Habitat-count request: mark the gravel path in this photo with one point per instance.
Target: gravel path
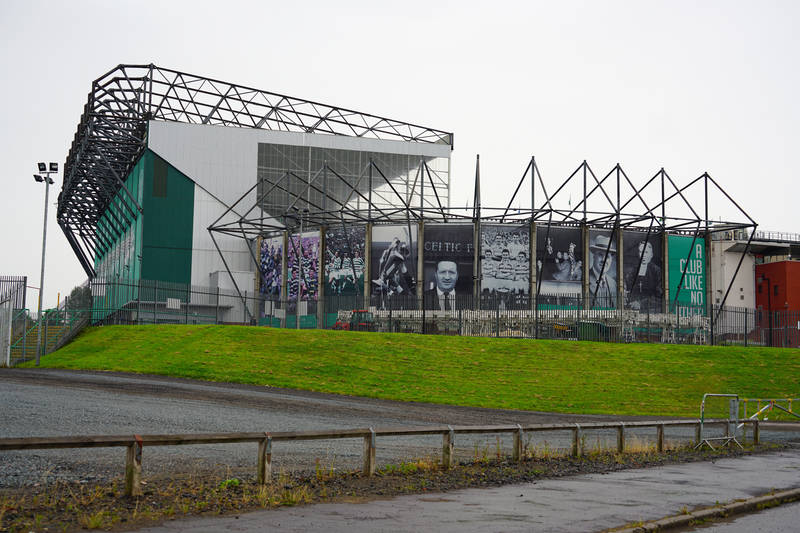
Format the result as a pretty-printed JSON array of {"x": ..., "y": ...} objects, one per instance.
[{"x": 44, "y": 402}]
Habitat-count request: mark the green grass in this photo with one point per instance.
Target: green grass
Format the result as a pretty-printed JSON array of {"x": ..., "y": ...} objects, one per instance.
[{"x": 560, "y": 376}]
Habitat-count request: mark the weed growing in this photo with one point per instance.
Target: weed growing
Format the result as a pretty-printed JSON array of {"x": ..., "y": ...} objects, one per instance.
[{"x": 61, "y": 506}]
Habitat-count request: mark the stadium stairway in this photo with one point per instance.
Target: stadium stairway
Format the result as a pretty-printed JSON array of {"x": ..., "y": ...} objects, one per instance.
[{"x": 57, "y": 330}]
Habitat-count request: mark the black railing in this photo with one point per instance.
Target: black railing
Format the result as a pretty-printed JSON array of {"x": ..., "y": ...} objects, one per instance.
[
  {"x": 510, "y": 315},
  {"x": 13, "y": 287}
]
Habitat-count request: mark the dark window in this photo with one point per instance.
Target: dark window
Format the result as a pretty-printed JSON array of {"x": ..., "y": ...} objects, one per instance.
[
  {"x": 776, "y": 290},
  {"x": 159, "y": 178},
  {"x": 760, "y": 288}
]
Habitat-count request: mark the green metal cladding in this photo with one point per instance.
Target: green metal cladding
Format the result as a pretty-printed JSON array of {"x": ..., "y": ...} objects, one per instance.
[{"x": 158, "y": 244}]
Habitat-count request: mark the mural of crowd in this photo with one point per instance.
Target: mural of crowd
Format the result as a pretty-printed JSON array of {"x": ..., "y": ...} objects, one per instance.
[
  {"x": 271, "y": 257},
  {"x": 505, "y": 261},
  {"x": 344, "y": 260}
]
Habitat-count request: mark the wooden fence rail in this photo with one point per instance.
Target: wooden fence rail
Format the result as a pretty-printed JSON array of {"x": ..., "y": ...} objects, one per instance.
[{"x": 135, "y": 443}]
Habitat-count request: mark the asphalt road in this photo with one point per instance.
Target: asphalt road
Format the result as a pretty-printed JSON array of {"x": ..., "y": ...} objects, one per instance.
[
  {"x": 44, "y": 402},
  {"x": 55, "y": 402}
]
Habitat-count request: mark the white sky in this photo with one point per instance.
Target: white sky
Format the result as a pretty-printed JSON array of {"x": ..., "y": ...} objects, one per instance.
[{"x": 690, "y": 86}]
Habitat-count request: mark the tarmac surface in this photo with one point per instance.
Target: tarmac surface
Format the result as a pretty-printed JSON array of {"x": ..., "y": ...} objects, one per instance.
[
  {"x": 584, "y": 503},
  {"x": 45, "y": 402},
  {"x": 49, "y": 402},
  {"x": 783, "y": 519}
]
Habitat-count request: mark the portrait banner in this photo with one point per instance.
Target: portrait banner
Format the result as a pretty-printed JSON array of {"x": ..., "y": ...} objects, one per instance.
[
  {"x": 602, "y": 269},
  {"x": 448, "y": 258},
  {"x": 642, "y": 262},
  {"x": 393, "y": 266},
  {"x": 559, "y": 260}
]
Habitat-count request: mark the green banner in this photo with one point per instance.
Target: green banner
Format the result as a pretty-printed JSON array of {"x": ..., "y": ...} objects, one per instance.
[{"x": 691, "y": 259}]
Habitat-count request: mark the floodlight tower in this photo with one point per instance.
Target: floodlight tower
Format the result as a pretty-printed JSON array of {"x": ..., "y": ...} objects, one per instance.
[{"x": 43, "y": 176}]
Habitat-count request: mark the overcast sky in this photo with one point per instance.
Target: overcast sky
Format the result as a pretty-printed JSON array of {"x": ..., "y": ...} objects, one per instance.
[{"x": 687, "y": 85}]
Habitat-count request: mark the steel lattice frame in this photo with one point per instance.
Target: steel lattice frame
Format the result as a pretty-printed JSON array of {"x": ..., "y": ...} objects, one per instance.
[
  {"x": 112, "y": 135},
  {"x": 617, "y": 212}
]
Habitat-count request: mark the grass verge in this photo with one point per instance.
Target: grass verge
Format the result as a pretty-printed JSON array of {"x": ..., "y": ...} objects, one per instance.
[
  {"x": 68, "y": 507},
  {"x": 557, "y": 376}
]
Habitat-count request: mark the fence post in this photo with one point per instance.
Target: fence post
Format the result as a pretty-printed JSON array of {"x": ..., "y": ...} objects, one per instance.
[
  {"x": 138, "y": 301},
  {"x": 576, "y": 441},
  {"x": 423, "y": 316},
  {"x": 369, "y": 454},
  {"x": 621, "y": 438},
  {"x": 660, "y": 438},
  {"x": 698, "y": 433},
  {"x": 711, "y": 324},
  {"x": 155, "y": 300},
  {"x": 746, "y": 312},
  {"x": 133, "y": 467},
  {"x": 786, "y": 329},
  {"x": 188, "y": 297},
  {"x": 497, "y": 315},
  {"x": 244, "y": 311},
  {"x": 216, "y": 308},
  {"x": 518, "y": 441},
  {"x": 756, "y": 432},
  {"x": 448, "y": 441},
  {"x": 264, "y": 473}
]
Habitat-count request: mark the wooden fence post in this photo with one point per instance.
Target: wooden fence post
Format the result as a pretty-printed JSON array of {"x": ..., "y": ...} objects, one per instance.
[
  {"x": 518, "y": 443},
  {"x": 697, "y": 433},
  {"x": 265, "y": 460},
  {"x": 621, "y": 438},
  {"x": 369, "y": 453},
  {"x": 660, "y": 438},
  {"x": 448, "y": 441},
  {"x": 576, "y": 441},
  {"x": 133, "y": 467},
  {"x": 756, "y": 432}
]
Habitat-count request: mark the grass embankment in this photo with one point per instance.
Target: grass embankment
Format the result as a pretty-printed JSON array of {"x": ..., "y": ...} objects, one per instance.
[{"x": 560, "y": 376}]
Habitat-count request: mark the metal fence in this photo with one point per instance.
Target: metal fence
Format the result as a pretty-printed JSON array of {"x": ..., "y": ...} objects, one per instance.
[
  {"x": 548, "y": 316},
  {"x": 135, "y": 443},
  {"x": 12, "y": 298},
  {"x": 13, "y": 288}
]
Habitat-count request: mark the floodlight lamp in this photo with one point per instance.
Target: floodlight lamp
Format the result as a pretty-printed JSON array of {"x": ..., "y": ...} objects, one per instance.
[
  {"x": 38, "y": 178},
  {"x": 53, "y": 167},
  {"x": 50, "y": 180},
  {"x": 42, "y": 167}
]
